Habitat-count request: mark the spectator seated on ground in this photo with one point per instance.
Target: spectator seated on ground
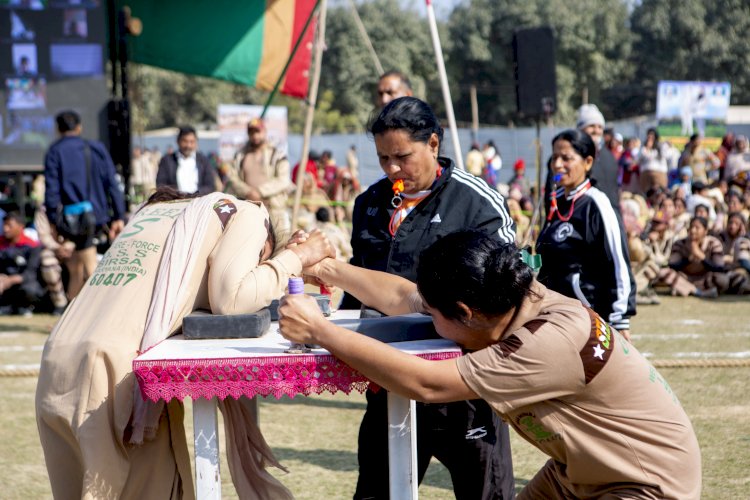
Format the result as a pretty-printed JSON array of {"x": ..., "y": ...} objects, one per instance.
[
  {"x": 345, "y": 190},
  {"x": 735, "y": 203},
  {"x": 523, "y": 222},
  {"x": 738, "y": 161},
  {"x": 696, "y": 264},
  {"x": 706, "y": 211},
  {"x": 684, "y": 185},
  {"x": 20, "y": 289},
  {"x": 327, "y": 171},
  {"x": 657, "y": 242},
  {"x": 681, "y": 220},
  {"x": 715, "y": 196},
  {"x": 338, "y": 237},
  {"x": 736, "y": 253},
  {"x": 659, "y": 238},
  {"x": 313, "y": 198},
  {"x": 641, "y": 262},
  {"x": 667, "y": 207}
]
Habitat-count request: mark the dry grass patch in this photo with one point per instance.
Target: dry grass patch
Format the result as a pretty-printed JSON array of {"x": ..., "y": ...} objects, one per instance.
[{"x": 316, "y": 437}]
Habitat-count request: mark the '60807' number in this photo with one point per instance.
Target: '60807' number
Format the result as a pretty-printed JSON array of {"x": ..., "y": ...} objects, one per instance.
[{"x": 111, "y": 279}]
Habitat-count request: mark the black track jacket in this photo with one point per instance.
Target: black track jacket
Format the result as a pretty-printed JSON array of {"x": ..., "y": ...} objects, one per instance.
[
  {"x": 458, "y": 201},
  {"x": 586, "y": 257}
]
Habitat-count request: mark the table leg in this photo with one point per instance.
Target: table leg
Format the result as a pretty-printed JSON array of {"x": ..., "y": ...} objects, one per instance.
[
  {"x": 402, "y": 447},
  {"x": 206, "y": 435}
]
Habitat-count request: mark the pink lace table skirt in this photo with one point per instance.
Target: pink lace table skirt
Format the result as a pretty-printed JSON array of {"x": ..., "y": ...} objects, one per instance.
[{"x": 265, "y": 375}]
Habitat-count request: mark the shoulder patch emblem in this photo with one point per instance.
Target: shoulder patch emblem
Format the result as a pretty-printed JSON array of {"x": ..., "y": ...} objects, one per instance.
[
  {"x": 534, "y": 325},
  {"x": 510, "y": 345},
  {"x": 225, "y": 209},
  {"x": 598, "y": 348}
]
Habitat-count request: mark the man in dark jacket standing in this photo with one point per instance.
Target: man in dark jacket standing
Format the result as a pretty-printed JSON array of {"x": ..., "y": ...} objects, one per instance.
[
  {"x": 604, "y": 172},
  {"x": 76, "y": 172},
  {"x": 187, "y": 170}
]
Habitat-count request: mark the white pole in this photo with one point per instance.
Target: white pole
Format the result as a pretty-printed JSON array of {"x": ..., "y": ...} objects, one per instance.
[
  {"x": 207, "y": 463},
  {"x": 402, "y": 448},
  {"x": 444, "y": 84}
]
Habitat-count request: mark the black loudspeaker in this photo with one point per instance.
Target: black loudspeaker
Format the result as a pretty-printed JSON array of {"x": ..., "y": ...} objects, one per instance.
[
  {"x": 118, "y": 122},
  {"x": 534, "y": 60}
]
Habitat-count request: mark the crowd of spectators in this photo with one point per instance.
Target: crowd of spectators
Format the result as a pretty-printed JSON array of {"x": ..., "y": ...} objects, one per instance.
[
  {"x": 39, "y": 267},
  {"x": 685, "y": 213}
]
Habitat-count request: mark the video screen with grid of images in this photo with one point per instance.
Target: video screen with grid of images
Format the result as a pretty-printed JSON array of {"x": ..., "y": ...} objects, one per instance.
[{"x": 52, "y": 58}]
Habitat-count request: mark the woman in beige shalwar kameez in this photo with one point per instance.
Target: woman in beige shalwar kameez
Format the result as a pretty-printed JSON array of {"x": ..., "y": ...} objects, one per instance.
[{"x": 85, "y": 392}]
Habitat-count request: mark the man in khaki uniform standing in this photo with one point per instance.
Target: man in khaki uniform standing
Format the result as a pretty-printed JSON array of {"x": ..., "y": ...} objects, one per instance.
[{"x": 260, "y": 172}]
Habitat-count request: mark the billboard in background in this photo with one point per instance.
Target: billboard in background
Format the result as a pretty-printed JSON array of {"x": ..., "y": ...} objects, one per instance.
[
  {"x": 233, "y": 118},
  {"x": 687, "y": 108},
  {"x": 52, "y": 57}
]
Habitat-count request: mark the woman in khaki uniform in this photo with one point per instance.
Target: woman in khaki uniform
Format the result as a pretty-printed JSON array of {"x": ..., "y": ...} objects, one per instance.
[
  {"x": 564, "y": 379},
  {"x": 172, "y": 258}
]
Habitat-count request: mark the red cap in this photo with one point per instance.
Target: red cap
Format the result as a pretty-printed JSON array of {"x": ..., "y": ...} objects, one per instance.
[
  {"x": 519, "y": 165},
  {"x": 256, "y": 123}
]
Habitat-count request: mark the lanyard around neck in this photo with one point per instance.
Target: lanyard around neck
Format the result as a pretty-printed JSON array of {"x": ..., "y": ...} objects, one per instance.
[{"x": 553, "y": 210}]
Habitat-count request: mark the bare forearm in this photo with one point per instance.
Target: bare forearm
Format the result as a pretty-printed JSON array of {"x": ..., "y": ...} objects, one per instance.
[
  {"x": 396, "y": 371},
  {"x": 385, "y": 292}
]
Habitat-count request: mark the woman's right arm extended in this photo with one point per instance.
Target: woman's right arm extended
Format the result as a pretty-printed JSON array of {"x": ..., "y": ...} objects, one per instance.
[{"x": 385, "y": 292}]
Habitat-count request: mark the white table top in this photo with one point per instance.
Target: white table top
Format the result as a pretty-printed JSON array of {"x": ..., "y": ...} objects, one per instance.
[{"x": 271, "y": 344}]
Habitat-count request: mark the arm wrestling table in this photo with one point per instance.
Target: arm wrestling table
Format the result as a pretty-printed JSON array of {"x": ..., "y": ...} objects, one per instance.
[{"x": 206, "y": 370}]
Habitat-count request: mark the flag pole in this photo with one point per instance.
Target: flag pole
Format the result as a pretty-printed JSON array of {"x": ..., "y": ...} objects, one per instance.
[
  {"x": 311, "y": 101},
  {"x": 297, "y": 44},
  {"x": 366, "y": 38},
  {"x": 459, "y": 159}
]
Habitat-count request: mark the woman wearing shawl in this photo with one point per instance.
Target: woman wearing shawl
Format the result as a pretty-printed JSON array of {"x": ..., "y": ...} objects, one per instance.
[{"x": 100, "y": 439}]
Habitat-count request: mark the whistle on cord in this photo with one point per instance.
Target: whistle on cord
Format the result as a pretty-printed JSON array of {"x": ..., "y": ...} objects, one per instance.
[{"x": 398, "y": 188}]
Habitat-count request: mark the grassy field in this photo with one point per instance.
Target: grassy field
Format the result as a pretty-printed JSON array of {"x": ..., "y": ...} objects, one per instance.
[{"x": 315, "y": 438}]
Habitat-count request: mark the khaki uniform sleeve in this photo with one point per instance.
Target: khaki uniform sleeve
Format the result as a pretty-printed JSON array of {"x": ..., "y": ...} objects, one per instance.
[
  {"x": 280, "y": 182},
  {"x": 237, "y": 282},
  {"x": 524, "y": 369},
  {"x": 44, "y": 230},
  {"x": 234, "y": 184}
]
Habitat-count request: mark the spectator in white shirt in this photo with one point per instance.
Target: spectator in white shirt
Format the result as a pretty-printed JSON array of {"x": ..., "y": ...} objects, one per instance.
[{"x": 187, "y": 170}]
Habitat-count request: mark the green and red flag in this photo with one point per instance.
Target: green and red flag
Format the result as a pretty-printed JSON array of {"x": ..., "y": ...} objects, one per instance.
[{"x": 246, "y": 42}]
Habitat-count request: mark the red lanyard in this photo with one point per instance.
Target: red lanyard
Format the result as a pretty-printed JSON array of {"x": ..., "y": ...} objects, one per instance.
[{"x": 553, "y": 203}]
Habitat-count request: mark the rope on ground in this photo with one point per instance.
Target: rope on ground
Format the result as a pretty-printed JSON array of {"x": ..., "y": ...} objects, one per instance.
[
  {"x": 658, "y": 363},
  {"x": 701, "y": 363},
  {"x": 19, "y": 372}
]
